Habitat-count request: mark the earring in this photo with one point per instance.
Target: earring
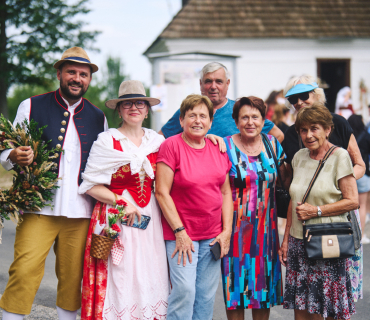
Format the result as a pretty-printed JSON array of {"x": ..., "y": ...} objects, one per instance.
[{"x": 146, "y": 116}]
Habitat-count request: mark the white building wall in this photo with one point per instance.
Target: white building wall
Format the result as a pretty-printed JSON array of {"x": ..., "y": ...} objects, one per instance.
[{"x": 267, "y": 64}]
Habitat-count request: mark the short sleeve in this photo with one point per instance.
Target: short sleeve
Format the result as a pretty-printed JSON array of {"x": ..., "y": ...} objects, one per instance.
[
  {"x": 167, "y": 154},
  {"x": 344, "y": 165},
  {"x": 268, "y": 126},
  {"x": 342, "y": 131},
  {"x": 290, "y": 144},
  {"x": 172, "y": 127}
]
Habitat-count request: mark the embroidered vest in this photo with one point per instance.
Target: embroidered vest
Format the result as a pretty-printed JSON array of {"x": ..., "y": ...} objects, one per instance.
[
  {"x": 124, "y": 180},
  {"x": 50, "y": 109}
]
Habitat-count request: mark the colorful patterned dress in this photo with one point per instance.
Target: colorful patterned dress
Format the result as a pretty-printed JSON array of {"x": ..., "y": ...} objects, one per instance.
[{"x": 251, "y": 272}]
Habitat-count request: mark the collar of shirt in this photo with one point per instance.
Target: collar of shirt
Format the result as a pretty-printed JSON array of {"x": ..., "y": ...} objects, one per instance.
[{"x": 72, "y": 106}]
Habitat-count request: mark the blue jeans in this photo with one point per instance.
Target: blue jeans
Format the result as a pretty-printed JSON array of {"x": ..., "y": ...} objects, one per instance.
[{"x": 193, "y": 286}]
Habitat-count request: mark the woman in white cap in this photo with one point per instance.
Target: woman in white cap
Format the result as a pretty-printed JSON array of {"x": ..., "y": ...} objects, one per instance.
[{"x": 133, "y": 283}]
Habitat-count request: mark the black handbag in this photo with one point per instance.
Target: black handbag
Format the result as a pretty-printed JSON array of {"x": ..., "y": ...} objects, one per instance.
[
  {"x": 327, "y": 240},
  {"x": 282, "y": 196}
]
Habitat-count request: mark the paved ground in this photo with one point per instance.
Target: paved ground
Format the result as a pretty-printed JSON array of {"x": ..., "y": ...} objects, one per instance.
[{"x": 44, "y": 307}]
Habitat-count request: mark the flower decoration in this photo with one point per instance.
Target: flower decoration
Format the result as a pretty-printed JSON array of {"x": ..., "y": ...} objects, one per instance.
[
  {"x": 118, "y": 213},
  {"x": 33, "y": 186}
]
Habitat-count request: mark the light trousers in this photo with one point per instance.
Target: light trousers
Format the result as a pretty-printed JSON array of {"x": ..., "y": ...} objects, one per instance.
[
  {"x": 194, "y": 286},
  {"x": 33, "y": 240}
]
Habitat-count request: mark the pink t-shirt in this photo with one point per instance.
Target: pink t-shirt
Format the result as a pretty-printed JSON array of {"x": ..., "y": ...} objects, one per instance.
[{"x": 196, "y": 188}]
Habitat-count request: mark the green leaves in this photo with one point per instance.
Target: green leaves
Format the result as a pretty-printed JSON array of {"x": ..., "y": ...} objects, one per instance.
[
  {"x": 33, "y": 185},
  {"x": 40, "y": 31}
]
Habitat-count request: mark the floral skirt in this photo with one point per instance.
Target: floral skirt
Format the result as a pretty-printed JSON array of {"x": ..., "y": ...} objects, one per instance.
[{"x": 318, "y": 286}]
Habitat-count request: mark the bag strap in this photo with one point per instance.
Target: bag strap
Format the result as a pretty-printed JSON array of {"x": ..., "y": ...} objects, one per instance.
[
  {"x": 267, "y": 141},
  {"x": 319, "y": 167}
]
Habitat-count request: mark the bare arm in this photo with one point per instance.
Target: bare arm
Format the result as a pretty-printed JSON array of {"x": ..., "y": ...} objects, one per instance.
[
  {"x": 277, "y": 133},
  {"x": 289, "y": 175},
  {"x": 164, "y": 181},
  {"x": 348, "y": 187},
  {"x": 357, "y": 161},
  {"x": 227, "y": 218},
  {"x": 103, "y": 194},
  {"x": 283, "y": 251},
  {"x": 160, "y": 132},
  {"x": 217, "y": 140}
]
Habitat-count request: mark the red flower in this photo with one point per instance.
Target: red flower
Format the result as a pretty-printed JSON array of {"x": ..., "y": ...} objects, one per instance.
[
  {"x": 115, "y": 227},
  {"x": 121, "y": 202},
  {"x": 113, "y": 210}
]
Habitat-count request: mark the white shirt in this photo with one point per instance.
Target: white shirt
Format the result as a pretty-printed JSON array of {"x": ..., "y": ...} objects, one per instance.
[{"x": 67, "y": 201}]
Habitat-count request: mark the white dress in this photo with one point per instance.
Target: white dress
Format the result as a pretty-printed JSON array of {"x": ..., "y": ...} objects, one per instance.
[{"x": 138, "y": 286}]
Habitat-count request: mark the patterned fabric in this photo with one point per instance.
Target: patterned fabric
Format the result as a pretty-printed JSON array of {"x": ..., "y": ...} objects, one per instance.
[
  {"x": 94, "y": 283},
  {"x": 318, "y": 286},
  {"x": 251, "y": 272},
  {"x": 356, "y": 265}
]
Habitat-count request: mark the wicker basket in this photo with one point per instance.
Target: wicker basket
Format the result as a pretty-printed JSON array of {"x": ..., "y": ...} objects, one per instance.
[{"x": 101, "y": 246}]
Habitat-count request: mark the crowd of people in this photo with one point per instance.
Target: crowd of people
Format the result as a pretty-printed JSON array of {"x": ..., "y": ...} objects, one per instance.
[{"x": 206, "y": 185}]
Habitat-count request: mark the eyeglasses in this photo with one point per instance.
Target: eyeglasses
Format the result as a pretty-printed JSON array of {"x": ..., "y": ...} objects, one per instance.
[
  {"x": 294, "y": 98},
  {"x": 140, "y": 104}
]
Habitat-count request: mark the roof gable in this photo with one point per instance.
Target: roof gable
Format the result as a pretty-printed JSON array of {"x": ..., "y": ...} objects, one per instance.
[{"x": 311, "y": 19}]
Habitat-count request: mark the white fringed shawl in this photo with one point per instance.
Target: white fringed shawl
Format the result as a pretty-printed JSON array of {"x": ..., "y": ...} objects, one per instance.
[{"x": 103, "y": 160}]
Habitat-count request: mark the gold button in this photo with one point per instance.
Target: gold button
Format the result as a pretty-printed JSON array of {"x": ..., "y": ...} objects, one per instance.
[
  {"x": 64, "y": 123},
  {"x": 66, "y": 114},
  {"x": 58, "y": 146},
  {"x": 56, "y": 155},
  {"x": 62, "y": 130},
  {"x": 60, "y": 138}
]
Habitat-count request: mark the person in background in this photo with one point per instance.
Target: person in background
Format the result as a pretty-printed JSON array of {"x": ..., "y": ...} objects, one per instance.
[
  {"x": 363, "y": 184},
  {"x": 214, "y": 83},
  {"x": 73, "y": 124},
  {"x": 301, "y": 92},
  {"x": 343, "y": 103},
  {"x": 315, "y": 288},
  {"x": 280, "y": 117},
  {"x": 251, "y": 271},
  {"x": 275, "y": 98},
  {"x": 193, "y": 191}
]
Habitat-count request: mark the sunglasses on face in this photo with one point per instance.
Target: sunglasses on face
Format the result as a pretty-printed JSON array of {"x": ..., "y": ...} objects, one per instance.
[
  {"x": 302, "y": 96},
  {"x": 128, "y": 104}
]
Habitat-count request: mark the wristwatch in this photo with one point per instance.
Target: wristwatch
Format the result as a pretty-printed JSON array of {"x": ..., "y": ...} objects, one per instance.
[{"x": 319, "y": 212}]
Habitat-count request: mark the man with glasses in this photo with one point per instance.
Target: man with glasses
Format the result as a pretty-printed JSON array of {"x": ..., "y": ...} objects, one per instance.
[
  {"x": 214, "y": 83},
  {"x": 73, "y": 124}
]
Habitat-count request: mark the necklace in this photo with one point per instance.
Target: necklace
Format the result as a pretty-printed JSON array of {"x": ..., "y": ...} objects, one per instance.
[
  {"x": 249, "y": 152},
  {"x": 190, "y": 144}
]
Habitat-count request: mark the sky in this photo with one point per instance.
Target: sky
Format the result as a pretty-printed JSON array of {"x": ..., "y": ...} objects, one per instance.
[{"x": 128, "y": 28}]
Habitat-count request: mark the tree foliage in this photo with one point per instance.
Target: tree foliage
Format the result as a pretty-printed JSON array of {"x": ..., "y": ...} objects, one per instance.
[
  {"x": 101, "y": 89},
  {"x": 32, "y": 32}
]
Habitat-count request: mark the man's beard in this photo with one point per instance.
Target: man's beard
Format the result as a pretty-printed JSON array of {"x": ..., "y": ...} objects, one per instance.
[{"x": 70, "y": 95}]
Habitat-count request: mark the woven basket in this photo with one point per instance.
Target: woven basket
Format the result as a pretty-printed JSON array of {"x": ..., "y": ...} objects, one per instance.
[{"x": 101, "y": 246}]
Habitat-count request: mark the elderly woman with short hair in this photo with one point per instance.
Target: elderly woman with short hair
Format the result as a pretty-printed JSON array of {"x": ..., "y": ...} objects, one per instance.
[
  {"x": 317, "y": 287},
  {"x": 251, "y": 271},
  {"x": 193, "y": 191},
  {"x": 302, "y": 92}
]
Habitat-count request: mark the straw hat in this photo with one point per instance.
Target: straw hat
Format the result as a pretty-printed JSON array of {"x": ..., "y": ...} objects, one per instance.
[
  {"x": 131, "y": 89},
  {"x": 76, "y": 54}
]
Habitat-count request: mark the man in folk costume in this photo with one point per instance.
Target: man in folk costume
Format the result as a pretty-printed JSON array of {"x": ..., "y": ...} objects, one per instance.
[{"x": 73, "y": 124}]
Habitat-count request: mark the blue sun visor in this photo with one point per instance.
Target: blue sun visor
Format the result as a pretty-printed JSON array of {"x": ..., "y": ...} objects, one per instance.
[{"x": 301, "y": 87}]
